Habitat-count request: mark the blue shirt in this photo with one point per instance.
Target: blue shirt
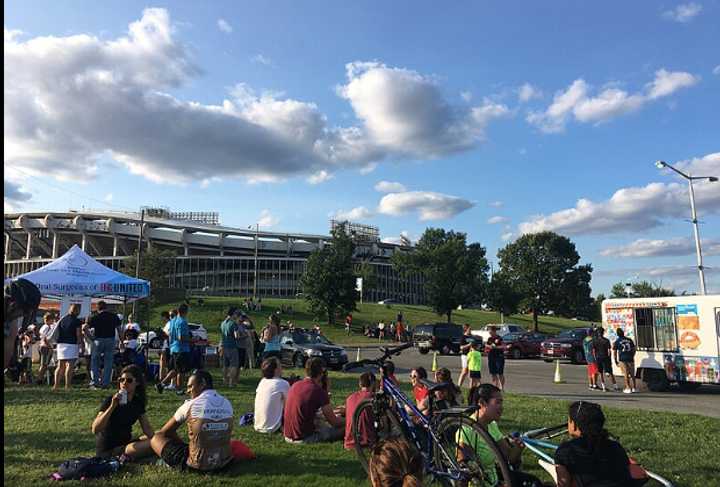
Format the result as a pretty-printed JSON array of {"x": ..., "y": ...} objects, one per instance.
[
  {"x": 179, "y": 328},
  {"x": 228, "y": 328},
  {"x": 588, "y": 348}
]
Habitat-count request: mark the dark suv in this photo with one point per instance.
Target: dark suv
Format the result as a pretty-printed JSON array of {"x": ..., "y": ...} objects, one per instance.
[
  {"x": 442, "y": 337},
  {"x": 297, "y": 346},
  {"x": 566, "y": 346}
]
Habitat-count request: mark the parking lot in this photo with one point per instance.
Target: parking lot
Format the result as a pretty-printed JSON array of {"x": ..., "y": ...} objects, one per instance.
[{"x": 535, "y": 377}]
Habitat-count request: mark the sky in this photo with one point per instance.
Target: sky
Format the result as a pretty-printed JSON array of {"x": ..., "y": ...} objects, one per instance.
[{"x": 491, "y": 118}]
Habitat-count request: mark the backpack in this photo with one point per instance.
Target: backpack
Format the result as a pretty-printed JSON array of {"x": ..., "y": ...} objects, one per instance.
[{"x": 80, "y": 468}]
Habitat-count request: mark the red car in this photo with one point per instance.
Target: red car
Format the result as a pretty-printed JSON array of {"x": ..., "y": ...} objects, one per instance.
[{"x": 521, "y": 345}]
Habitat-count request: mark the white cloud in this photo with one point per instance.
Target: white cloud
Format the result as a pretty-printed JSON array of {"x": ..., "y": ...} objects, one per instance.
[
  {"x": 507, "y": 236},
  {"x": 368, "y": 168},
  {"x": 402, "y": 239},
  {"x": 13, "y": 195},
  {"x": 575, "y": 102},
  {"x": 405, "y": 112},
  {"x": 527, "y": 92},
  {"x": 108, "y": 197},
  {"x": 497, "y": 219},
  {"x": 59, "y": 91},
  {"x": 264, "y": 60},
  {"x": 678, "y": 277},
  {"x": 496, "y": 204},
  {"x": 224, "y": 26},
  {"x": 666, "y": 83},
  {"x": 320, "y": 177},
  {"x": 389, "y": 187},
  {"x": 466, "y": 95},
  {"x": 635, "y": 208},
  {"x": 662, "y": 248},
  {"x": 716, "y": 70},
  {"x": 359, "y": 213},
  {"x": 429, "y": 205},
  {"x": 683, "y": 13},
  {"x": 267, "y": 219}
]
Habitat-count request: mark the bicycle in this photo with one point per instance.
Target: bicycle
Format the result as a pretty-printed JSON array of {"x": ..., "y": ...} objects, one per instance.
[{"x": 448, "y": 439}]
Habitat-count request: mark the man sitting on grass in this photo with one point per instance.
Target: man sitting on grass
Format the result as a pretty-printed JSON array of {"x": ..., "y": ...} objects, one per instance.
[
  {"x": 368, "y": 386},
  {"x": 209, "y": 417},
  {"x": 305, "y": 399}
]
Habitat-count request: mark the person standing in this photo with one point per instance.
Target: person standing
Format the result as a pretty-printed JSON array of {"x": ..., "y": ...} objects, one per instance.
[
  {"x": 496, "y": 358},
  {"x": 165, "y": 350},
  {"x": 46, "y": 348},
  {"x": 103, "y": 325},
  {"x": 348, "y": 324},
  {"x": 465, "y": 347},
  {"x": 271, "y": 338},
  {"x": 474, "y": 364},
  {"x": 229, "y": 343},
  {"x": 381, "y": 330},
  {"x": 69, "y": 343},
  {"x": 179, "y": 350},
  {"x": 592, "y": 368},
  {"x": 601, "y": 348},
  {"x": 624, "y": 353}
]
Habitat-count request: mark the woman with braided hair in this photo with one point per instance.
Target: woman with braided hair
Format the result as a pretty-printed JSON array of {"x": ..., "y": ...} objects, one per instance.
[
  {"x": 591, "y": 458},
  {"x": 394, "y": 463}
]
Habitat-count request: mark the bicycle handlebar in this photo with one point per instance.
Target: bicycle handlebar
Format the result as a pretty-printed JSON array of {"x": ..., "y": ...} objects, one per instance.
[{"x": 387, "y": 353}]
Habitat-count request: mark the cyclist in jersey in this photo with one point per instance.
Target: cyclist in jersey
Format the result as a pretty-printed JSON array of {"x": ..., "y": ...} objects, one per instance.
[{"x": 209, "y": 417}]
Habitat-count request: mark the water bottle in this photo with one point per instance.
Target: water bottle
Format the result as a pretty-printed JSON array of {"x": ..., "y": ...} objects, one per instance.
[{"x": 123, "y": 397}]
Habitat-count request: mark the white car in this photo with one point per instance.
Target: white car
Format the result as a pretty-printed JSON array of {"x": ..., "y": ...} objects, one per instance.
[
  {"x": 197, "y": 331},
  {"x": 502, "y": 329}
]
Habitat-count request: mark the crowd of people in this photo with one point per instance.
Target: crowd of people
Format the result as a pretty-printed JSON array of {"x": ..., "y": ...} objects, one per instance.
[{"x": 300, "y": 409}]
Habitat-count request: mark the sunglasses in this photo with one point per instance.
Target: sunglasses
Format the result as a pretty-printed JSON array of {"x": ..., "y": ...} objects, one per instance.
[{"x": 126, "y": 380}]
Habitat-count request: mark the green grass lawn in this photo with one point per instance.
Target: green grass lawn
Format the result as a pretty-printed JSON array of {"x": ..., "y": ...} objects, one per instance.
[
  {"x": 41, "y": 429},
  {"x": 213, "y": 310}
]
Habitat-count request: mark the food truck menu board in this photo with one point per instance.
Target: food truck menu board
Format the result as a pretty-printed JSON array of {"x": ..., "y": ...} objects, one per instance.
[{"x": 623, "y": 318}]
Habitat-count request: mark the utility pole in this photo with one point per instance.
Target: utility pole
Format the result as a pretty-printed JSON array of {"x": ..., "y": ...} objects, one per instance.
[
  {"x": 257, "y": 231},
  {"x": 139, "y": 253}
]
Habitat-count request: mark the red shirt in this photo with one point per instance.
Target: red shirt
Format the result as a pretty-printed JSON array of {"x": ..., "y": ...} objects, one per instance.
[
  {"x": 351, "y": 404},
  {"x": 303, "y": 400},
  {"x": 420, "y": 393}
]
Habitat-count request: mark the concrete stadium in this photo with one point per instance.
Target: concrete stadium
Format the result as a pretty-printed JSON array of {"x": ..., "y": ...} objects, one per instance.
[{"x": 210, "y": 258}]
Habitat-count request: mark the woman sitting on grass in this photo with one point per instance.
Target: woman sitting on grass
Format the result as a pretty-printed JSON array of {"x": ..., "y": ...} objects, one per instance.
[
  {"x": 446, "y": 397},
  {"x": 118, "y": 413},
  {"x": 590, "y": 457},
  {"x": 489, "y": 400}
]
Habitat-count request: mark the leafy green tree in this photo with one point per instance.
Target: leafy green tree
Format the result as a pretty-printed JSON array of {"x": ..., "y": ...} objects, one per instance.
[
  {"x": 329, "y": 280},
  {"x": 543, "y": 268},
  {"x": 597, "y": 311},
  {"x": 501, "y": 296},
  {"x": 155, "y": 266},
  {"x": 643, "y": 289},
  {"x": 455, "y": 272}
]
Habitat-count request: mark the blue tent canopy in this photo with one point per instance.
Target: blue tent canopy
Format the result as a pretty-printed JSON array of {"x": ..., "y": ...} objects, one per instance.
[{"x": 78, "y": 274}]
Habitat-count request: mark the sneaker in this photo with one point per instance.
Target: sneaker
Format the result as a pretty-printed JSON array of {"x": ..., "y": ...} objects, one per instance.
[
  {"x": 159, "y": 387},
  {"x": 170, "y": 387},
  {"x": 603, "y": 388},
  {"x": 627, "y": 391},
  {"x": 633, "y": 390}
]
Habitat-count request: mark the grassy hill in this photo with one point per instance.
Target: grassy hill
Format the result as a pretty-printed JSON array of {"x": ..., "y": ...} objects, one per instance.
[{"x": 212, "y": 312}]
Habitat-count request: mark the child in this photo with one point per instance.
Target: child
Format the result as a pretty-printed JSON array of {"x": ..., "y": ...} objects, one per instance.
[{"x": 474, "y": 364}]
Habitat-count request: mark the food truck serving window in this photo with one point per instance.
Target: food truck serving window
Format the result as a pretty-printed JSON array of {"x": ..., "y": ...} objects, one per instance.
[{"x": 655, "y": 329}]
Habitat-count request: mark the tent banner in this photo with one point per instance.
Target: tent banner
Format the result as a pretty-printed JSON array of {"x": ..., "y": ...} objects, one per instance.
[{"x": 95, "y": 289}]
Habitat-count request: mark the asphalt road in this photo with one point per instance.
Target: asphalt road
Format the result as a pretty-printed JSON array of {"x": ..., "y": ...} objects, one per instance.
[{"x": 535, "y": 377}]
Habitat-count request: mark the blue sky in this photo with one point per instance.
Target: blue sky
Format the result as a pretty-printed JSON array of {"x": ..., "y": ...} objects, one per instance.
[{"x": 492, "y": 118}]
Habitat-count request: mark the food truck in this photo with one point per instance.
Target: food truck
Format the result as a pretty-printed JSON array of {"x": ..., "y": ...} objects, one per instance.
[{"x": 677, "y": 338}]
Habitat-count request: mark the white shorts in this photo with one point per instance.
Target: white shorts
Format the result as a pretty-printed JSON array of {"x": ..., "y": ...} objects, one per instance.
[
  {"x": 463, "y": 361},
  {"x": 67, "y": 351}
]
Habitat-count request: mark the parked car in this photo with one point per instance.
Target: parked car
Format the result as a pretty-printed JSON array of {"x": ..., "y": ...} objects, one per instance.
[
  {"x": 522, "y": 345},
  {"x": 502, "y": 330},
  {"x": 197, "y": 331},
  {"x": 442, "y": 337},
  {"x": 388, "y": 301},
  {"x": 297, "y": 346},
  {"x": 566, "y": 346}
]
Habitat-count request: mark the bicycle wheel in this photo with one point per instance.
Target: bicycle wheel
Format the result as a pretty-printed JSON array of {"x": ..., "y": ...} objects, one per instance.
[
  {"x": 373, "y": 422},
  {"x": 466, "y": 447}
]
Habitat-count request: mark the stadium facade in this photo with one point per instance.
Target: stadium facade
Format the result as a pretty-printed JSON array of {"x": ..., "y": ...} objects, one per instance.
[{"x": 209, "y": 258}]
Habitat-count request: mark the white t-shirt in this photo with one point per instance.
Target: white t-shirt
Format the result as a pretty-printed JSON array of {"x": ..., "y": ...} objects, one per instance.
[
  {"x": 208, "y": 405},
  {"x": 381, "y": 325},
  {"x": 44, "y": 333},
  {"x": 270, "y": 398}
]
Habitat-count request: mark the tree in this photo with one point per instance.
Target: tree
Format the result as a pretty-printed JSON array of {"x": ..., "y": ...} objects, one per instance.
[
  {"x": 329, "y": 279},
  {"x": 643, "y": 289},
  {"x": 597, "y": 311},
  {"x": 501, "y": 296},
  {"x": 455, "y": 273},
  {"x": 543, "y": 269},
  {"x": 155, "y": 266}
]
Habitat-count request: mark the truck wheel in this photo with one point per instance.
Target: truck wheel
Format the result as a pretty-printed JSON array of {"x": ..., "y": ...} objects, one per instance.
[
  {"x": 656, "y": 380},
  {"x": 423, "y": 351},
  {"x": 689, "y": 386},
  {"x": 578, "y": 357},
  {"x": 516, "y": 353},
  {"x": 299, "y": 361}
]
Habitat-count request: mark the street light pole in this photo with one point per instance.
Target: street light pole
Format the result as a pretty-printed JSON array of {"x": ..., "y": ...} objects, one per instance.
[
  {"x": 712, "y": 179},
  {"x": 257, "y": 231}
]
